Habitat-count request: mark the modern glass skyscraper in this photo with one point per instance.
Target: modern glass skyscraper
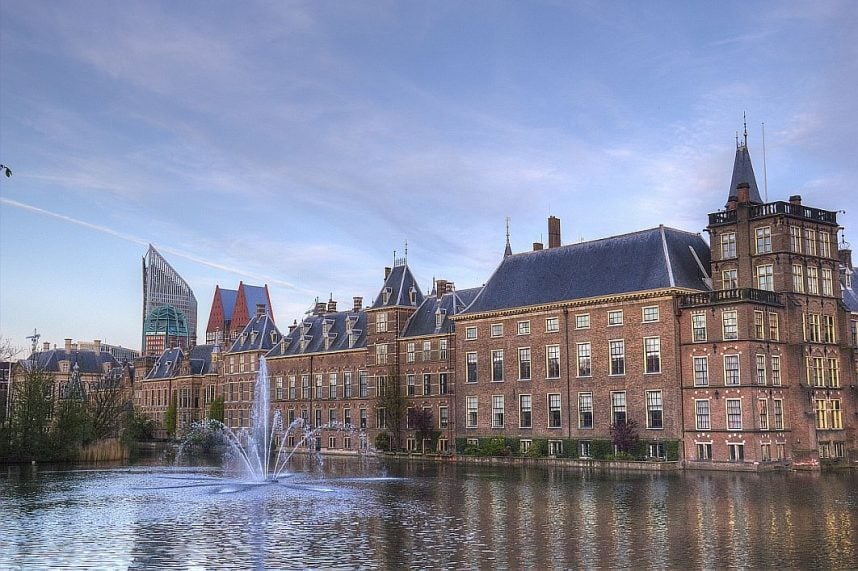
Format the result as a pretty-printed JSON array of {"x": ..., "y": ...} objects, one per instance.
[{"x": 164, "y": 287}]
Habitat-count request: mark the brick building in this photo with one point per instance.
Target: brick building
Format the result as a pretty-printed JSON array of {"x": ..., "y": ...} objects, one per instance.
[{"x": 232, "y": 310}]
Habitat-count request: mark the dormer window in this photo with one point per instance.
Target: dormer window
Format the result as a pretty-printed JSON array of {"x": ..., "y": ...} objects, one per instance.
[
  {"x": 273, "y": 337},
  {"x": 253, "y": 337},
  {"x": 849, "y": 278},
  {"x": 385, "y": 295},
  {"x": 439, "y": 318},
  {"x": 243, "y": 338},
  {"x": 412, "y": 295}
]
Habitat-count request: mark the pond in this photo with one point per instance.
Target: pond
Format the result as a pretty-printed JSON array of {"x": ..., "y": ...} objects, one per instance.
[{"x": 373, "y": 513}]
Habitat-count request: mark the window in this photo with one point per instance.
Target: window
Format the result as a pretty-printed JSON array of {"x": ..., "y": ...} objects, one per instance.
[
  {"x": 810, "y": 241},
  {"x": 553, "y": 410},
  {"x": 427, "y": 384},
  {"x": 497, "y": 411},
  {"x": 552, "y": 361},
  {"x": 828, "y": 329},
  {"x": 411, "y": 385},
  {"x": 442, "y": 349},
  {"x": 319, "y": 379},
  {"x": 833, "y": 372},
  {"x": 293, "y": 389},
  {"x": 471, "y": 408},
  {"x": 763, "y": 413},
  {"x": 759, "y": 325},
  {"x": 615, "y": 317},
  {"x": 737, "y": 452},
  {"x": 734, "y": 414},
  {"x": 584, "y": 360},
  {"x": 555, "y": 447},
  {"x": 381, "y": 354},
  {"x": 278, "y": 393},
  {"x": 524, "y": 327},
  {"x": 305, "y": 387},
  {"x": 525, "y": 411},
  {"x": 764, "y": 277},
  {"x": 585, "y": 410},
  {"x": 795, "y": 239},
  {"x": 778, "y": 410},
  {"x": 439, "y": 319},
  {"x": 363, "y": 384},
  {"x": 853, "y": 332},
  {"x": 774, "y": 332},
  {"x": 730, "y": 325},
  {"x": 381, "y": 323},
  {"x": 497, "y": 329},
  {"x": 497, "y": 366},
  {"x": 701, "y": 372},
  {"x": 380, "y": 418},
  {"x": 443, "y": 417},
  {"x": 584, "y": 449},
  {"x": 332, "y": 416},
  {"x": 764, "y": 240},
  {"x": 836, "y": 415},
  {"x": 731, "y": 369},
  {"x": 427, "y": 351},
  {"x": 812, "y": 328},
  {"x": 409, "y": 352},
  {"x": 617, "y": 350},
  {"x": 652, "y": 354},
  {"x": 347, "y": 384},
  {"x": 470, "y": 333},
  {"x": 380, "y": 385},
  {"x": 656, "y": 450},
  {"x": 442, "y": 383},
  {"x": 701, "y": 408},
  {"x": 524, "y": 363},
  {"x": 347, "y": 417},
  {"x": 798, "y": 278},
  {"x": 761, "y": 370},
  {"x": 822, "y": 414},
  {"x": 524, "y": 445},
  {"x": 618, "y": 407},
  {"x": 825, "y": 244},
  {"x": 650, "y": 314},
  {"x": 362, "y": 416},
  {"x": 552, "y": 325},
  {"x": 318, "y": 417},
  {"x": 815, "y": 371},
  {"x": 776, "y": 370},
  {"x": 471, "y": 367},
  {"x": 332, "y": 386},
  {"x": 812, "y": 280},
  {"x": 827, "y": 282},
  {"x": 582, "y": 321},
  {"x": 698, "y": 327},
  {"x": 654, "y": 410},
  {"x": 728, "y": 245},
  {"x": 704, "y": 450},
  {"x": 729, "y": 279}
]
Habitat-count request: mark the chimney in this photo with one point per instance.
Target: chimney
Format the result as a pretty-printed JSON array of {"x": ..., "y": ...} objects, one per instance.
[
  {"x": 440, "y": 287},
  {"x": 553, "y": 232},
  {"x": 731, "y": 202},
  {"x": 97, "y": 343},
  {"x": 260, "y": 309},
  {"x": 332, "y": 306},
  {"x": 537, "y": 246},
  {"x": 795, "y": 199},
  {"x": 293, "y": 326},
  {"x": 386, "y": 273},
  {"x": 46, "y": 346},
  {"x": 450, "y": 287},
  {"x": 845, "y": 255},
  {"x": 68, "y": 346},
  {"x": 320, "y": 308},
  {"x": 743, "y": 192},
  {"x": 358, "y": 303}
]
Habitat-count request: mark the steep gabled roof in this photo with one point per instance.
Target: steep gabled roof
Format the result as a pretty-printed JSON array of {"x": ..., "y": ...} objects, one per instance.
[
  {"x": 227, "y": 300},
  {"x": 257, "y": 295},
  {"x": 424, "y": 322},
  {"x": 743, "y": 172},
  {"x": 260, "y": 334},
  {"x": 398, "y": 286},
  {"x": 169, "y": 363},
  {"x": 314, "y": 329},
  {"x": 166, "y": 365},
  {"x": 646, "y": 260}
]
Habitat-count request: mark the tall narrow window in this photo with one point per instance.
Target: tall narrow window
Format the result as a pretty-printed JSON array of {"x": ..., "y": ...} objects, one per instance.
[
  {"x": 652, "y": 354},
  {"x": 825, "y": 244},
  {"x": 525, "y": 411},
  {"x": 427, "y": 351},
  {"x": 471, "y": 409},
  {"x": 332, "y": 386},
  {"x": 763, "y": 412},
  {"x": 554, "y": 420},
  {"x": 411, "y": 384},
  {"x": 702, "y": 414},
  {"x": 730, "y": 325},
  {"x": 728, "y": 245},
  {"x": 764, "y": 240},
  {"x": 776, "y": 370},
  {"x": 442, "y": 384},
  {"x": 833, "y": 372},
  {"x": 409, "y": 352},
  {"x": 617, "y": 349},
  {"x": 761, "y": 370},
  {"x": 427, "y": 384},
  {"x": 585, "y": 410},
  {"x": 778, "y": 410},
  {"x": 759, "y": 325},
  {"x": 734, "y": 414},
  {"x": 836, "y": 415},
  {"x": 765, "y": 278},
  {"x": 347, "y": 384},
  {"x": 497, "y": 411},
  {"x": 654, "y": 410},
  {"x": 822, "y": 414},
  {"x": 381, "y": 323},
  {"x": 729, "y": 279},
  {"x": 524, "y": 363},
  {"x": 552, "y": 356},
  {"x": 731, "y": 369},
  {"x": 497, "y": 365},
  {"x": 828, "y": 329},
  {"x": 442, "y": 349},
  {"x": 810, "y": 241},
  {"x": 795, "y": 239},
  {"x": 584, "y": 362},
  {"x": 827, "y": 282},
  {"x": 618, "y": 407},
  {"x": 774, "y": 332},
  {"x": 471, "y": 367},
  {"x": 798, "y": 278},
  {"x": 701, "y": 372},
  {"x": 812, "y": 280},
  {"x": 698, "y": 327}
]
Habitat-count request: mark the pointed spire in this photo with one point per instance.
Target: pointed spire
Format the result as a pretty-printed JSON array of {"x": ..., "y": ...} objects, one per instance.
[
  {"x": 743, "y": 171},
  {"x": 508, "y": 250}
]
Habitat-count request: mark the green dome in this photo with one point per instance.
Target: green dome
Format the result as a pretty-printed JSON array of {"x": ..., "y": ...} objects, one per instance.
[{"x": 166, "y": 319}]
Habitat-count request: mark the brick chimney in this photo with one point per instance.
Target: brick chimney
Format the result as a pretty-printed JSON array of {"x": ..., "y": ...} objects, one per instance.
[
  {"x": 386, "y": 273},
  {"x": 537, "y": 246},
  {"x": 46, "y": 346},
  {"x": 293, "y": 326},
  {"x": 553, "y": 232},
  {"x": 332, "y": 306},
  {"x": 97, "y": 343},
  {"x": 743, "y": 192},
  {"x": 357, "y": 303},
  {"x": 68, "y": 345},
  {"x": 845, "y": 255},
  {"x": 440, "y": 287},
  {"x": 795, "y": 200},
  {"x": 320, "y": 308},
  {"x": 260, "y": 309}
]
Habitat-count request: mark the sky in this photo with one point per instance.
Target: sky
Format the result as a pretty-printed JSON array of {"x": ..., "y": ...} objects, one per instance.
[{"x": 302, "y": 144}]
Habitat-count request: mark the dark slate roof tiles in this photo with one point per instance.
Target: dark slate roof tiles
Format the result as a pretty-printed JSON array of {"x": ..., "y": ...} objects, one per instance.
[
  {"x": 227, "y": 300},
  {"x": 315, "y": 328},
  {"x": 399, "y": 285},
  {"x": 88, "y": 362},
  {"x": 743, "y": 171},
  {"x": 260, "y": 334},
  {"x": 423, "y": 322},
  {"x": 169, "y": 363}
]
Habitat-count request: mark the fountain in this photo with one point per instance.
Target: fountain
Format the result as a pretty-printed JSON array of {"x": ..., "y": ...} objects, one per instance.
[{"x": 261, "y": 450}]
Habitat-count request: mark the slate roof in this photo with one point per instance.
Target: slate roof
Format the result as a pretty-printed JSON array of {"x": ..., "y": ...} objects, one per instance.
[
  {"x": 423, "y": 322},
  {"x": 743, "y": 171},
  {"x": 254, "y": 295},
  {"x": 399, "y": 284},
  {"x": 169, "y": 363},
  {"x": 227, "y": 300},
  {"x": 646, "y": 260},
  {"x": 257, "y": 335},
  {"x": 850, "y": 296},
  {"x": 88, "y": 362},
  {"x": 314, "y": 329}
]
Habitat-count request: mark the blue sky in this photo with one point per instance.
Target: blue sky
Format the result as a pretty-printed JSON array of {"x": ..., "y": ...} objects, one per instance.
[{"x": 300, "y": 144}]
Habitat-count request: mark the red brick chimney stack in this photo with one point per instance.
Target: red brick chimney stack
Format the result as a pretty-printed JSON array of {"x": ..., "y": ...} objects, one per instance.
[{"x": 553, "y": 232}]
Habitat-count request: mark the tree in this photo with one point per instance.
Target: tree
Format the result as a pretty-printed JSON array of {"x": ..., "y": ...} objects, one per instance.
[
  {"x": 108, "y": 404},
  {"x": 625, "y": 436},
  {"x": 424, "y": 425},
  {"x": 216, "y": 409},
  {"x": 392, "y": 400},
  {"x": 32, "y": 409},
  {"x": 170, "y": 416},
  {"x": 71, "y": 430}
]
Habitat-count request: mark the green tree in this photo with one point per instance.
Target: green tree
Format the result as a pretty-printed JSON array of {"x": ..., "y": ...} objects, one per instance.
[
  {"x": 216, "y": 409},
  {"x": 71, "y": 430},
  {"x": 170, "y": 416},
  {"x": 392, "y": 400},
  {"x": 30, "y": 420}
]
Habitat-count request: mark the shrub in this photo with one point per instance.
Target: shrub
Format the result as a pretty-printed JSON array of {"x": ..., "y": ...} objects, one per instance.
[
  {"x": 538, "y": 448},
  {"x": 461, "y": 444},
  {"x": 671, "y": 450},
  {"x": 382, "y": 441},
  {"x": 601, "y": 449}
]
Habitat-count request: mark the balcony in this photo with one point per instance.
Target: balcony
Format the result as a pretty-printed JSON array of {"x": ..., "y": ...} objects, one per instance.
[
  {"x": 730, "y": 296},
  {"x": 797, "y": 210},
  {"x": 722, "y": 217}
]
